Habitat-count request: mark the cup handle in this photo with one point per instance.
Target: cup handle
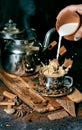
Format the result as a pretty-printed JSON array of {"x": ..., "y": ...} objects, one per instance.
[{"x": 68, "y": 81}]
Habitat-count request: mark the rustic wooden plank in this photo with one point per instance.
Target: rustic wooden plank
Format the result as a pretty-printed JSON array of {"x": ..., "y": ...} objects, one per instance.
[
  {"x": 22, "y": 89},
  {"x": 58, "y": 115},
  {"x": 76, "y": 96},
  {"x": 68, "y": 105}
]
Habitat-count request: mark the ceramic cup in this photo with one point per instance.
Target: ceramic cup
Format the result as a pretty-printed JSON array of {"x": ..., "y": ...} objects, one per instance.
[{"x": 68, "y": 17}]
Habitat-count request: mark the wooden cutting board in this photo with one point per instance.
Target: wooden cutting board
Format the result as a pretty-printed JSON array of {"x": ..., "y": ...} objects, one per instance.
[
  {"x": 23, "y": 90},
  {"x": 76, "y": 96}
]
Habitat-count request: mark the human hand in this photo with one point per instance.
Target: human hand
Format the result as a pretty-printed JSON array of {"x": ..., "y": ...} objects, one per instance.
[{"x": 73, "y": 8}]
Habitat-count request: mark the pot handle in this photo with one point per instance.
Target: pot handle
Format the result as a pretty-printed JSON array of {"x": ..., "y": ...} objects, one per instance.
[
  {"x": 68, "y": 81},
  {"x": 47, "y": 38}
]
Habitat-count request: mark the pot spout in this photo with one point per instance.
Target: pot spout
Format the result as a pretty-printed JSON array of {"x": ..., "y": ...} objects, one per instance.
[{"x": 47, "y": 38}]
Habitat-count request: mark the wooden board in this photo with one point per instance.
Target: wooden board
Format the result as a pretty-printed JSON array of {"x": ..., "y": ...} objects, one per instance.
[
  {"x": 76, "y": 96},
  {"x": 22, "y": 89},
  {"x": 68, "y": 105}
]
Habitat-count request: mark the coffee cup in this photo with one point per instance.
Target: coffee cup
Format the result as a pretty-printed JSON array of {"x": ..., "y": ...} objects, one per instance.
[{"x": 55, "y": 82}]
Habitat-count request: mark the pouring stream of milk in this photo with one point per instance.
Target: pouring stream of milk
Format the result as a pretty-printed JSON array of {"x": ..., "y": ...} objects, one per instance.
[{"x": 66, "y": 29}]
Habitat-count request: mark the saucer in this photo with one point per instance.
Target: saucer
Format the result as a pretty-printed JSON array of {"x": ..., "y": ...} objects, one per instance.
[{"x": 62, "y": 91}]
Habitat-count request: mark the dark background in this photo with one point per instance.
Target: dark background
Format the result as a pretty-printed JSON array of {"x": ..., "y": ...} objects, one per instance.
[
  {"x": 41, "y": 15},
  {"x": 38, "y": 14}
]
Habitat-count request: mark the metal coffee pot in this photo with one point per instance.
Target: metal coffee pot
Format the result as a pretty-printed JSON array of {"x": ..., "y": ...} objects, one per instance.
[{"x": 19, "y": 55}]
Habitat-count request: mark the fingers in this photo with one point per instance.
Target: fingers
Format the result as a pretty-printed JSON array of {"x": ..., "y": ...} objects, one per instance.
[
  {"x": 79, "y": 11},
  {"x": 78, "y": 34}
]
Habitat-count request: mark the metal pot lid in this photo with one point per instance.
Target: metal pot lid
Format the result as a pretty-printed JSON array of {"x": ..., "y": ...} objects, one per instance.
[{"x": 9, "y": 30}]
